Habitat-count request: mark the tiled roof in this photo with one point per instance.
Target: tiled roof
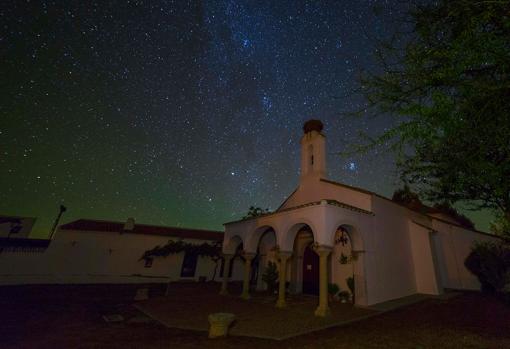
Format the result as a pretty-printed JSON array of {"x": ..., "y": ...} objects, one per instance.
[{"x": 143, "y": 229}]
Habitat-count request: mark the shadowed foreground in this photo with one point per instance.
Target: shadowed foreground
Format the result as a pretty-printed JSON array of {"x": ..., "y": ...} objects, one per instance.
[{"x": 71, "y": 316}]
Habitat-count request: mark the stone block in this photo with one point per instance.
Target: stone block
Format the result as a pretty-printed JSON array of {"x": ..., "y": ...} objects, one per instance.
[{"x": 219, "y": 324}]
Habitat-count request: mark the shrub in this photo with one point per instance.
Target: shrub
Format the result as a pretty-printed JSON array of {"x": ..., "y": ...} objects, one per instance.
[
  {"x": 501, "y": 227},
  {"x": 490, "y": 262},
  {"x": 270, "y": 276},
  {"x": 406, "y": 197},
  {"x": 350, "y": 284},
  {"x": 333, "y": 289}
]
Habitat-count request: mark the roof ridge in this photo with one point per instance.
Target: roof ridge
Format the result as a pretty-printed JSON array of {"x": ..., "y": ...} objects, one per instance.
[
  {"x": 139, "y": 224},
  {"x": 365, "y": 191}
]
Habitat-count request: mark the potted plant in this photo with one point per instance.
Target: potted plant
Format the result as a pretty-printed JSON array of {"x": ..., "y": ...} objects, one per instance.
[
  {"x": 350, "y": 284},
  {"x": 344, "y": 296},
  {"x": 270, "y": 277},
  {"x": 333, "y": 290}
]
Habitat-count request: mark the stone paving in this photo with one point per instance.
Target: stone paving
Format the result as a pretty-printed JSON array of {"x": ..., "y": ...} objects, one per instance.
[{"x": 187, "y": 306}]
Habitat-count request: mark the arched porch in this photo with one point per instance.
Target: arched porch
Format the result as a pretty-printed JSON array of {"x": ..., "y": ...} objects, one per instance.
[{"x": 288, "y": 237}]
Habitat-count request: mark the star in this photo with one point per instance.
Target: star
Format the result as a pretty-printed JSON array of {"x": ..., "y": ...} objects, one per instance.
[
  {"x": 351, "y": 166},
  {"x": 197, "y": 106}
]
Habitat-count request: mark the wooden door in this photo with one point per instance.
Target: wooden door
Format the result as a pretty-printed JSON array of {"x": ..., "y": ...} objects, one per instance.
[{"x": 310, "y": 271}]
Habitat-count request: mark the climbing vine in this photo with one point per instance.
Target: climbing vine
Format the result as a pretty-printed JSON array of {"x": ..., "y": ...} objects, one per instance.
[{"x": 213, "y": 251}]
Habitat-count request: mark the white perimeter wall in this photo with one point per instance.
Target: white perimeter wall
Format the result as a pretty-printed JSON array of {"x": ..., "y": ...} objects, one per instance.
[
  {"x": 390, "y": 260},
  {"x": 422, "y": 257},
  {"x": 99, "y": 257},
  {"x": 453, "y": 245},
  {"x": 425, "y": 259}
]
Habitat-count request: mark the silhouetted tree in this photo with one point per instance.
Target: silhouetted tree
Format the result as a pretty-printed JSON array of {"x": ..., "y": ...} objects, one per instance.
[
  {"x": 447, "y": 82},
  {"x": 408, "y": 198},
  {"x": 255, "y": 212},
  {"x": 451, "y": 211}
]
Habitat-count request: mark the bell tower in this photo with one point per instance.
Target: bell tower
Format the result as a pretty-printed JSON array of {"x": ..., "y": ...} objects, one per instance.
[{"x": 313, "y": 151}]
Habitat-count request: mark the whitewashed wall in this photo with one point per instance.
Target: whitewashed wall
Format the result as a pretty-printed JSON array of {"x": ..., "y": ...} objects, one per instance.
[
  {"x": 340, "y": 272},
  {"x": 453, "y": 244},
  {"x": 99, "y": 257},
  {"x": 316, "y": 190},
  {"x": 391, "y": 268},
  {"x": 425, "y": 259}
]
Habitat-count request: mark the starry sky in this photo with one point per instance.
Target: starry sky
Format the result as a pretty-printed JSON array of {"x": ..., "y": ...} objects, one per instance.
[{"x": 181, "y": 113}]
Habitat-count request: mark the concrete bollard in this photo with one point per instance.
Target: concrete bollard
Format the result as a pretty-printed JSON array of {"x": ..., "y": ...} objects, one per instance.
[{"x": 219, "y": 324}]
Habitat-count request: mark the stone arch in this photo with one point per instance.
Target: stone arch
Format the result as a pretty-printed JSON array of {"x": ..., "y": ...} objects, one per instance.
[
  {"x": 262, "y": 242},
  {"x": 354, "y": 234},
  {"x": 230, "y": 246},
  {"x": 254, "y": 238},
  {"x": 356, "y": 259},
  {"x": 287, "y": 238},
  {"x": 289, "y": 242}
]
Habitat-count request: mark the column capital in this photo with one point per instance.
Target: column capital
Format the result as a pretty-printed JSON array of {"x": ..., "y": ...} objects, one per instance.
[
  {"x": 284, "y": 254},
  {"x": 322, "y": 250},
  {"x": 248, "y": 255}
]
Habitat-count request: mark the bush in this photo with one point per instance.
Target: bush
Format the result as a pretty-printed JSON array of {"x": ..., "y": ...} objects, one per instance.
[
  {"x": 350, "y": 284},
  {"x": 490, "y": 262},
  {"x": 333, "y": 289},
  {"x": 270, "y": 276},
  {"x": 501, "y": 227}
]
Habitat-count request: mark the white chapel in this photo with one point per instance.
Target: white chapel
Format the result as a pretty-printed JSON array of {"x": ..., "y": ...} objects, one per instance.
[{"x": 328, "y": 232}]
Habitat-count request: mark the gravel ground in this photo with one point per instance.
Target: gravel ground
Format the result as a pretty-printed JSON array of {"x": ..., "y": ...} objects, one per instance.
[{"x": 71, "y": 317}]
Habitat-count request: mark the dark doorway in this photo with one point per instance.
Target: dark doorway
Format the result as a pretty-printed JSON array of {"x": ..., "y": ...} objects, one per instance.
[
  {"x": 189, "y": 265},
  {"x": 310, "y": 271}
]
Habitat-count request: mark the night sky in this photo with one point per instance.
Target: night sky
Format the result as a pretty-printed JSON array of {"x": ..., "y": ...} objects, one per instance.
[{"x": 180, "y": 113}]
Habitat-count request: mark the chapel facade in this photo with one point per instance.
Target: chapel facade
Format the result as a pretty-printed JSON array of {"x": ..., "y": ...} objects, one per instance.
[{"x": 328, "y": 232}]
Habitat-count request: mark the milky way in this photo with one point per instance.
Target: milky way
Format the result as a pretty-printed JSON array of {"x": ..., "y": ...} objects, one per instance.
[{"x": 180, "y": 113}]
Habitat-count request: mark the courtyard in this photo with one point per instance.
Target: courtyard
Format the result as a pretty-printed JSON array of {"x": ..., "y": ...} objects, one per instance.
[
  {"x": 185, "y": 308},
  {"x": 72, "y": 316}
]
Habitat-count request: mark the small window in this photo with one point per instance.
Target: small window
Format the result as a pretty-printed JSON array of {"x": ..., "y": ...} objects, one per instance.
[
  {"x": 148, "y": 263},
  {"x": 310, "y": 153},
  {"x": 189, "y": 265}
]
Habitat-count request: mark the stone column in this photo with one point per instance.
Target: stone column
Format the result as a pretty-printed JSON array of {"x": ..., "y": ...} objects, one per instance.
[
  {"x": 323, "y": 308},
  {"x": 246, "y": 281},
  {"x": 226, "y": 265},
  {"x": 284, "y": 257}
]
